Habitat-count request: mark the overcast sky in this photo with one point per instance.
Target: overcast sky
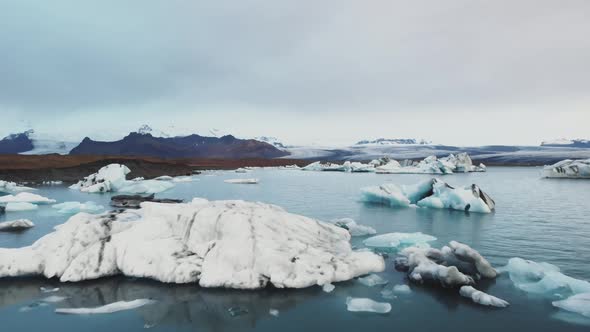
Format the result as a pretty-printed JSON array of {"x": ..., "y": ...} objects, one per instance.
[{"x": 325, "y": 72}]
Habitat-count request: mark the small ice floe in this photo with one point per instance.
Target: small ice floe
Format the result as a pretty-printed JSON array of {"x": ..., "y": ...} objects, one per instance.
[
  {"x": 48, "y": 290},
  {"x": 12, "y": 187},
  {"x": 112, "y": 178},
  {"x": 20, "y": 206},
  {"x": 183, "y": 179},
  {"x": 482, "y": 298},
  {"x": 52, "y": 183},
  {"x": 53, "y": 299},
  {"x": 106, "y": 309},
  {"x": 242, "y": 170},
  {"x": 353, "y": 228},
  {"x": 328, "y": 287},
  {"x": 164, "y": 178},
  {"x": 242, "y": 181},
  {"x": 134, "y": 201},
  {"x": 206, "y": 242},
  {"x": 77, "y": 207},
  {"x": 391, "y": 292},
  {"x": 542, "y": 278},
  {"x": 392, "y": 242},
  {"x": 274, "y": 312},
  {"x": 433, "y": 193},
  {"x": 579, "y": 303},
  {"x": 26, "y": 197},
  {"x": 452, "y": 266},
  {"x": 372, "y": 280},
  {"x": 16, "y": 225},
  {"x": 367, "y": 305},
  {"x": 570, "y": 169}
]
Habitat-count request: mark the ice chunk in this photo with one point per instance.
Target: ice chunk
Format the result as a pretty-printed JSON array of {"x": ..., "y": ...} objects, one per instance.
[
  {"x": 579, "y": 303},
  {"x": 106, "y": 309},
  {"x": 315, "y": 166},
  {"x": 433, "y": 193},
  {"x": 467, "y": 254},
  {"x": 542, "y": 278},
  {"x": 397, "y": 241},
  {"x": 573, "y": 169},
  {"x": 402, "y": 289},
  {"x": 372, "y": 280},
  {"x": 353, "y": 228},
  {"x": 53, "y": 299},
  {"x": 20, "y": 206},
  {"x": 112, "y": 178},
  {"x": 12, "y": 187},
  {"x": 233, "y": 244},
  {"x": 164, "y": 178},
  {"x": 242, "y": 170},
  {"x": 76, "y": 207},
  {"x": 242, "y": 181},
  {"x": 274, "y": 312},
  {"x": 422, "y": 269},
  {"x": 48, "y": 290},
  {"x": 367, "y": 305},
  {"x": 482, "y": 298},
  {"x": 16, "y": 225},
  {"x": 183, "y": 179},
  {"x": 328, "y": 287},
  {"x": 27, "y": 198}
]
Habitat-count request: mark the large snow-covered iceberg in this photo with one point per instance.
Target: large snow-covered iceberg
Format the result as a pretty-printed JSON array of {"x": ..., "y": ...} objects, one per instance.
[
  {"x": 432, "y": 193},
  {"x": 233, "y": 244},
  {"x": 112, "y": 178},
  {"x": 572, "y": 169}
]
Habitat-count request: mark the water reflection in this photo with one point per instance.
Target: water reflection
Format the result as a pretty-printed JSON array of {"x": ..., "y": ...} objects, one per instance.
[{"x": 176, "y": 305}]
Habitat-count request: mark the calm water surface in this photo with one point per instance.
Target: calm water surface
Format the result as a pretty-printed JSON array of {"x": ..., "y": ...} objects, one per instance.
[{"x": 537, "y": 219}]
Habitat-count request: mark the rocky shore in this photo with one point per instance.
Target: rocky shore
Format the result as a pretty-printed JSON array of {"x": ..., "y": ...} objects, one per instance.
[{"x": 69, "y": 169}]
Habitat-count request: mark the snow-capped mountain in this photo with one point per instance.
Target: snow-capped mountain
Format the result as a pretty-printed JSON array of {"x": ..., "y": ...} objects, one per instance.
[
  {"x": 272, "y": 141},
  {"x": 393, "y": 141},
  {"x": 564, "y": 142},
  {"x": 146, "y": 129},
  {"x": 31, "y": 142}
]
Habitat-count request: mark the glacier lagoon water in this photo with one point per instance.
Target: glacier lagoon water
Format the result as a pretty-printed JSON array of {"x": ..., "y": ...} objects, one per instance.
[{"x": 538, "y": 219}]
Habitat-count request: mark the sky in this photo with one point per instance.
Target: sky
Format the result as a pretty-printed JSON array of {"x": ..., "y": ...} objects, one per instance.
[{"x": 461, "y": 72}]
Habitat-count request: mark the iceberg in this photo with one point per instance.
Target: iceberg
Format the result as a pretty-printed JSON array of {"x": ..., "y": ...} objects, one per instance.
[
  {"x": 392, "y": 242},
  {"x": 27, "y": 198},
  {"x": 347, "y": 166},
  {"x": 12, "y": 187},
  {"x": 453, "y": 265},
  {"x": 460, "y": 163},
  {"x": 433, "y": 193},
  {"x": 183, "y": 179},
  {"x": 579, "y": 303},
  {"x": 328, "y": 287},
  {"x": 242, "y": 181},
  {"x": 232, "y": 244},
  {"x": 372, "y": 280},
  {"x": 571, "y": 169},
  {"x": 16, "y": 225},
  {"x": 106, "y": 309},
  {"x": 112, "y": 178},
  {"x": 367, "y": 305},
  {"x": 482, "y": 298},
  {"x": 542, "y": 278},
  {"x": 353, "y": 228},
  {"x": 20, "y": 206},
  {"x": 76, "y": 207}
]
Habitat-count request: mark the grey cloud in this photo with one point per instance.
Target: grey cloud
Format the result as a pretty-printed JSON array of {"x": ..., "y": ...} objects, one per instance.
[{"x": 305, "y": 55}]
